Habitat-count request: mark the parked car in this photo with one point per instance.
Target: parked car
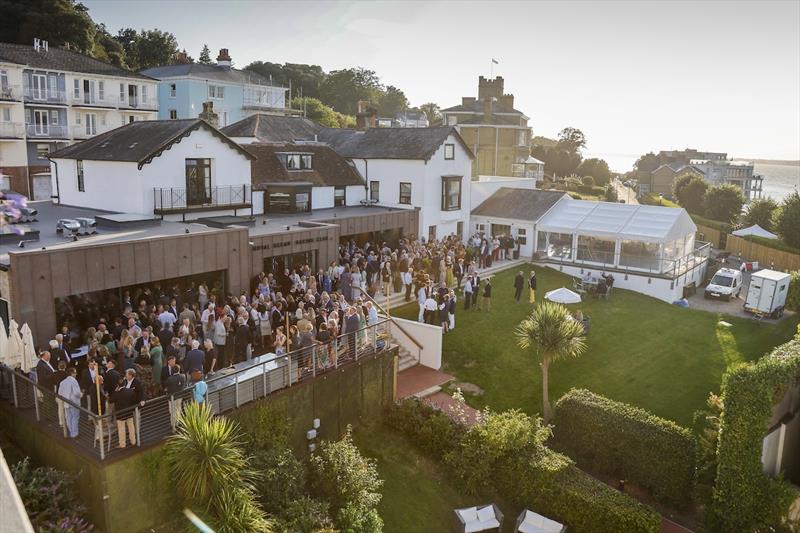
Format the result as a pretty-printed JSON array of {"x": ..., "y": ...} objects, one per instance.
[
  {"x": 68, "y": 225},
  {"x": 725, "y": 285}
]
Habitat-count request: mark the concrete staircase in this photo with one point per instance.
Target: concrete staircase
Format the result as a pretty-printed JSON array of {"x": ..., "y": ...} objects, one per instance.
[{"x": 407, "y": 359}]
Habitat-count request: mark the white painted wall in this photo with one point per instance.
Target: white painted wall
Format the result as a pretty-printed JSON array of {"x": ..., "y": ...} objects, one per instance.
[
  {"x": 430, "y": 337},
  {"x": 321, "y": 197},
  {"x": 121, "y": 186},
  {"x": 487, "y": 185},
  {"x": 663, "y": 289},
  {"x": 426, "y": 186},
  {"x": 526, "y": 250},
  {"x": 353, "y": 194}
]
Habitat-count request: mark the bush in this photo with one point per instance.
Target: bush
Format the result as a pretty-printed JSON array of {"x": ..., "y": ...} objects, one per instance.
[
  {"x": 746, "y": 499},
  {"x": 690, "y": 191},
  {"x": 339, "y": 474},
  {"x": 627, "y": 442},
  {"x": 723, "y": 202},
  {"x": 588, "y": 181},
  {"x": 793, "y": 297},
  {"x": 610, "y": 193},
  {"x": 594, "y": 191},
  {"x": 788, "y": 220},
  {"x": 553, "y": 486},
  {"x": 49, "y": 497},
  {"x": 304, "y": 515},
  {"x": 762, "y": 212},
  {"x": 428, "y": 428}
]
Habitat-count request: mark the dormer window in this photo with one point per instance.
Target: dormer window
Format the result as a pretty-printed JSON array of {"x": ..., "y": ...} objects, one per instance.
[{"x": 298, "y": 161}]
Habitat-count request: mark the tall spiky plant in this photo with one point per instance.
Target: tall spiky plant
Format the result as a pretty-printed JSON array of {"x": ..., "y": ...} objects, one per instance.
[
  {"x": 551, "y": 334},
  {"x": 210, "y": 469}
]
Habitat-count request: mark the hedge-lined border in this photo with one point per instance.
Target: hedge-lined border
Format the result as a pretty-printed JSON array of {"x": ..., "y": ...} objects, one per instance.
[
  {"x": 711, "y": 223},
  {"x": 775, "y": 244},
  {"x": 745, "y": 499},
  {"x": 621, "y": 440},
  {"x": 548, "y": 482}
]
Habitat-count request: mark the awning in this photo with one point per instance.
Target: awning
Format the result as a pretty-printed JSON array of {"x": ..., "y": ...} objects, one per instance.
[{"x": 756, "y": 231}]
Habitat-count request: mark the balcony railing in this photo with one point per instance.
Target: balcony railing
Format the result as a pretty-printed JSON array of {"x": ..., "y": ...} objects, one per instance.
[
  {"x": 137, "y": 102},
  {"x": 86, "y": 132},
  {"x": 11, "y": 130},
  {"x": 11, "y": 93},
  {"x": 88, "y": 99},
  {"x": 182, "y": 200},
  {"x": 47, "y": 131},
  {"x": 48, "y": 96},
  {"x": 227, "y": 390}
]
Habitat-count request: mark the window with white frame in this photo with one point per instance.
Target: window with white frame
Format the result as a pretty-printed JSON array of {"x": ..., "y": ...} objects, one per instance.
[
  {"x": 76, "y": 89},
  {"x": 4, "y": 80},
  {"x": 54, "y": 118},
  {"x": 78, "y": 119},
  {"x": 121, "y": 93},
  {"x": 144, "y": 94},
  {"x": 91, "y": 124},
  {"x": 6, "y": 116},
  {"x": 103, "y": 119},
  {"x": 216, "y": 91},
  {"x": 42, "y": 151},
  {"x": 449, "y": 151},
  {"x": 79, "y": 173},
  {"x": 298, "y": 161},
  {"x": 375, "y": 191},
  {"x": 101, "y": 90},
  {"x": 173, "y": 114},
  {"x": 522, "y": 236},
  {"x": 405, "y": 193},
  {"x": 173, "y": 90}
]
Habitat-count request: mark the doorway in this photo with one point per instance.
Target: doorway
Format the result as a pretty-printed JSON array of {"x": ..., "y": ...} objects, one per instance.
[{"x": 198, "y": 181}]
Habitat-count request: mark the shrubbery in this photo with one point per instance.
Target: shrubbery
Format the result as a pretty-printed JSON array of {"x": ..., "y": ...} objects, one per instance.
[
  {"x": 49, "y": 498},
  {"x": 504, "y": 453},
  {"x": 793, "y": 297},
  {"x": 627, "y": 442}
]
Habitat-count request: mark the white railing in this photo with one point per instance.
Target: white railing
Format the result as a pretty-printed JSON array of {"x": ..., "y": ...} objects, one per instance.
[
  {"x": 11, "y": 92},
  {"x": 46, "y": 96},
  {"x": 47, "y": 131},
  {"x": 12, "y": 130},
  {"x": 131, "y": 102},
  {"x": 85, "y": 132}
]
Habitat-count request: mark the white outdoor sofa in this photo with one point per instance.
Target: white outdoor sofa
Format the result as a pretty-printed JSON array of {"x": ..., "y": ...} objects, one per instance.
[
  {"x": 479, "y": 518},
  {"x": 530, "y": 522}
]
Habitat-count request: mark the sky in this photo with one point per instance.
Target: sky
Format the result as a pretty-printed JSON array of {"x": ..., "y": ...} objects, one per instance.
[{"x": 634, "y": 76}]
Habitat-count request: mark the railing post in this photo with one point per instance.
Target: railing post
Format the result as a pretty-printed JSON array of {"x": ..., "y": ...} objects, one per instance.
[
  {"x": 314, "y": 361},
  {"x": 236, "y": 389},
  {"x": 14, "y": 388},
  {"x": 264, "y": 376},
  {"x": 62, "y": 410},
  {"x": 99, "y": 426},
  {"x": 289, "y": 367},
  {"x": 137, "y": 420},
  {"x": 36, "y": 402}
]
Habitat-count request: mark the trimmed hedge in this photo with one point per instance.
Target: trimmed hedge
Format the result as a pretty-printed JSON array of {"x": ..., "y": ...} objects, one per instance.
[
  {"x": 543, "y": 480},
  {"x": 630, "y": 443},
  {"x": 716, "y": 224},
  {"x": 745, "y": 499},
  {"x": 591, "y": 189}
]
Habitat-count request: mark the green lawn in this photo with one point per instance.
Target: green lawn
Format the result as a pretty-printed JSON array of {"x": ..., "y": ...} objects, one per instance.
[
  {"x": 416, "y": 494},
  {"x": 640, "y": 350}
]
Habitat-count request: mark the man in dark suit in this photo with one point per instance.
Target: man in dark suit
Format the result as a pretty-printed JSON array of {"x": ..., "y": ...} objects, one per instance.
[
  {"x": 45, "y": 371},
  {"x": 351, "y": 325},
  {"x": 142, "y": 342},
  {"x": 112, "y": 377},
  {"x": 241, "y": 339},
  {"x": 459, "y": 272},
  {"x": 194, "y": 359},
  {"x": 519, "y": 283},
  {"x": 57, "y": 354},
  {"x": 87, "y": 382},
  {"x": 172, "y": 368},
  {"x": 165, "y": 336}
]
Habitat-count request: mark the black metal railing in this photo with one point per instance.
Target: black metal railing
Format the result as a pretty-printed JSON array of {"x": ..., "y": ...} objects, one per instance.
[
  {"x": 252, "y": 380},
  {"x": 182, "y": 198}
]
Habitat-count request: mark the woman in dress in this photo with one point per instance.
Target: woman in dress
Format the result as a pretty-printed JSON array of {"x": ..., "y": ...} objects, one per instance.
[
  {"x": 442, "y": 272},
  {"x": 202, "y": 295},
  {"x": 324, "y": 338},
  {"x": 450, "y": 278},
  {"x": 356, "y": 281},
  {"x": 156, "y": 358},
  {"x": 345, "y": 284},
  {"x": 280, "y": 341},
  {"x": 265, "y": 325}
]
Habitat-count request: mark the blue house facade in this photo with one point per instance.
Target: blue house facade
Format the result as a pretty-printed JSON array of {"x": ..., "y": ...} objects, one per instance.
[{"x": 236, "y": 94}]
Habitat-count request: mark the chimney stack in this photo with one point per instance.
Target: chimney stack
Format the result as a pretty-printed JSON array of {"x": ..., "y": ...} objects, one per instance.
[
  {"x": 366, "y": 116},
  {"x": 181, "y": 57},
  {"x": 209, "y": 115},
  {"x": 223, "y": 59}
]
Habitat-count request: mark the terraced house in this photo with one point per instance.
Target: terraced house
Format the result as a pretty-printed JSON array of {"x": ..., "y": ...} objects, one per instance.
[{"x": 52, "y": 97}]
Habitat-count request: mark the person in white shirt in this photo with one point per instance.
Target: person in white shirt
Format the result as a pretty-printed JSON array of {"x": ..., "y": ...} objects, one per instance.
[
  {"x": 167, "y": 319},
  {"x": 422, "y": 295},
  {"x": 467, "y": 293},
  {"x": 407, "y": 278},
  {"x": 71, "y": 391},
  {"x": 431, "y": 307}
]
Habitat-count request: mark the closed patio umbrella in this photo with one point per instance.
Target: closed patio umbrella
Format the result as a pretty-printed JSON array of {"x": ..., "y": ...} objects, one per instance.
[
  {"x": 28, "y": 349},
  {"x": 15, "y": 347},
  {"x": 563, "y": 296}
]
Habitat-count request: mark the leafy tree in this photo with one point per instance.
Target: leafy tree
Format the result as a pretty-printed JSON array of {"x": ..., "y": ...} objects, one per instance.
[
  {"x": 392, "y": 101},
  {"x": 432, "y": 112},
  {"x": 647, "y": 163},
  {"x": 106, "y": 48},
  {"x": 209, "y": 467},
  {"x": 544, "y": 142},
  {"x": 762, "y": 212},
  {"x": 205, "y": 56},
  {"x": 342, "y": 89},
  {"x": 551, "y": 334},
  {"x": 596, "y": 168},
  {"x": 317, "y": 111},
  {"x": 689, "y": 191},
  {"x": 571, "y": 139},
  {"x": 147, "y": 48},
  {"x": 723, "y": 202},
  {"x": 787, "y": 222},
  {"x": 56, "y": 21},
  {"x": 339, "y": 474},
  {"x": 610, "y": 193}
]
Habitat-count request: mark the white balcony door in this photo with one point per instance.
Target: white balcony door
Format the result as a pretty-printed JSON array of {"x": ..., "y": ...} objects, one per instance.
[
  {"x": 89, "y": 91},
  {"x": 91, "y": 124},
  {"x": 41, "y": 122},
  {"x": 39, "y": 86}
]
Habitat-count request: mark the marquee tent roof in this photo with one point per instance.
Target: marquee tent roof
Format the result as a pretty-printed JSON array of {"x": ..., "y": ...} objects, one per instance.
[
  {"x": 756, "y": 230},
  {"x": 613, "y": 220}
]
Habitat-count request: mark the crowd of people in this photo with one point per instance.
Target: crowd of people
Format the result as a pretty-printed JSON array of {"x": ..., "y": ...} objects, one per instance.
[{"x": 163, "y": 337}]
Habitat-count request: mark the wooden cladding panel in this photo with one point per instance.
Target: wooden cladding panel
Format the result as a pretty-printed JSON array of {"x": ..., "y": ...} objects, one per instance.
[
  {"x": 111, "y": 267},
  {"x": 95, "y": 280}
]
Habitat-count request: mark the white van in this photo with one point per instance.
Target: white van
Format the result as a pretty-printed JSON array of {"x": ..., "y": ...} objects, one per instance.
[{"x": 725, "y": 285}]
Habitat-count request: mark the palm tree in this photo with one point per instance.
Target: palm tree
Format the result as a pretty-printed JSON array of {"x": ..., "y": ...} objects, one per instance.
[
  {"x": 551, "y": 334},
  {"x": 209, "y": 467}
]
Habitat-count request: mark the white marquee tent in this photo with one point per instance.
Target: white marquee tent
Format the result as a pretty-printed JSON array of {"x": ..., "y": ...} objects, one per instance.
[{"x": 755, "y": 230}]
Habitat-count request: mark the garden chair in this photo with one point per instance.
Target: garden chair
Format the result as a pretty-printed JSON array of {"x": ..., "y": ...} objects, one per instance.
[
  {"x": 478, "y": 518},
  {"x": 578, "y": 286},
  {"x": 530, "y": 522}
]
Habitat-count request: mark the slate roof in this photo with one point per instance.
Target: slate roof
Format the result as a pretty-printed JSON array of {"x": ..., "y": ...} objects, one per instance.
[
  {"x": 139, "y": 141},
  {"x": 208, "y": 72},
  {"x": 390, "y": 143},
  {"x": 518, "y": 204},
  {"x": 477, "y": 107},
  {"x": 61, "y": 59},
  {"x": 328, "y": 168},
  {"x": 274, "y": 128}
]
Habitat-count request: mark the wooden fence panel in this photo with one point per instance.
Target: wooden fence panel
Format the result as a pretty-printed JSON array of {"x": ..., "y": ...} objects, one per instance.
[
  {"x": 767, "y": 257},
  {"x": 712, "y": 235}
]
